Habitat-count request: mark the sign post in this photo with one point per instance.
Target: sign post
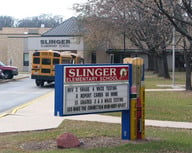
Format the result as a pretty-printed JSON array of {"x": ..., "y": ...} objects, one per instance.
[{"x": 137, "y": 103}]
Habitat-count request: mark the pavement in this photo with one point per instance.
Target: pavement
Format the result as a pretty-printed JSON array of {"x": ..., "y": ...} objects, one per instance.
[
  {"x": 38, "y": 114},
  {"x": 17, "y": 77}
]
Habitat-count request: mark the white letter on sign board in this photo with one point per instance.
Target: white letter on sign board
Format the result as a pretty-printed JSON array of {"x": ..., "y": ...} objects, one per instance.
[{"x": 71, "y": 72}]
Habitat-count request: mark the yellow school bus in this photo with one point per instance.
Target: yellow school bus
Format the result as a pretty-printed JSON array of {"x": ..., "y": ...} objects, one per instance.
[{"x": 43, "y": 64}]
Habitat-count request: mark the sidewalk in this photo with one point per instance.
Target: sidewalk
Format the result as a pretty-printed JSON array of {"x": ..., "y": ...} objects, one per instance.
[{"x": 39, "y": 114}]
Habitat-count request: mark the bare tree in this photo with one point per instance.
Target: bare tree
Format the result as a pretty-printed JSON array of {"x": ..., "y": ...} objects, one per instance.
[
  {"x": 149, "y": 32},
  {"x": 179, "y": 13},
  {"x": 36, "y": 21},
  {"x": 99, "y": 32},
  {"x": 6, "y": 21}
]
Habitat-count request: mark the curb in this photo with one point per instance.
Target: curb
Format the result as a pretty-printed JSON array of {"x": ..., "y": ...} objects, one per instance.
[
  {"x": 14, "y": 79},
  {"x": 156, "y": 90}
]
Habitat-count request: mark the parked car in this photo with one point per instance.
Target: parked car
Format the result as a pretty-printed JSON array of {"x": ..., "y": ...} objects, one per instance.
[
  {"x": 8, "y": 71},
  {"x": 1, "y": 75}
]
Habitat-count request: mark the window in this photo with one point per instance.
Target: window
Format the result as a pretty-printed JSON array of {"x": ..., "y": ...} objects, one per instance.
[
  {"x": 66, "y": 60},
  {"x": 93, "y": 58},
  {"x": 45, "y": 71},
  {"x": 36, "y": 54},
  {"x": 56, "y": 55},
  {"x": 111, "y": 58},
  {"x": 36, "y": 60},
  {"x": 46, "y": 61},
  {"x": 26, "y": 59},
  {"x": 56, "y": 61}
]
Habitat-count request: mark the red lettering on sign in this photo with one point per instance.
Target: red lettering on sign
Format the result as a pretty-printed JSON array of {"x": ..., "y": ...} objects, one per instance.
[{"x": 94, "y": 74}]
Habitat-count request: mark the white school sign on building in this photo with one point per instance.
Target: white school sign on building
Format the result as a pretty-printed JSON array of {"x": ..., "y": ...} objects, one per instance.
[{"x": 55, "y": 43}]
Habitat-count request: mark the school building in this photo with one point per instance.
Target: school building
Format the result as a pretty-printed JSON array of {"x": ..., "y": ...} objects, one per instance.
[{"x": 18, "y": 44}]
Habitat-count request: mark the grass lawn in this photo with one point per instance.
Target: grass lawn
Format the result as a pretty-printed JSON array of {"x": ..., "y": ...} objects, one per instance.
[
  {"x": 152, "y": 81},
  {"x": 166, "y": 105},
  {"x": 173, "y": 106},
  {"x": 159, "y": 140}
]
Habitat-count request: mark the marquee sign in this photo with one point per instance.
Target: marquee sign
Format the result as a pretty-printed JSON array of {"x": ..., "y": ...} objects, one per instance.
[
  {"x": 100, "y": 88},
  {"x": 93, "y": 89}
]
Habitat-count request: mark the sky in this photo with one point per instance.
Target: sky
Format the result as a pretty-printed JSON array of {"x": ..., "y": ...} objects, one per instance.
[{"x": 20, "y": 9}]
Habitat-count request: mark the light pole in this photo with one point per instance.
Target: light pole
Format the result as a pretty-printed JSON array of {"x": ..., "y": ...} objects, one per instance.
[{"x": 173, "y": 58}]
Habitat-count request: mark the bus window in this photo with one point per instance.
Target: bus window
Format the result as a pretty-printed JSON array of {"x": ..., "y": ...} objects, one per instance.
[
  {"x": 36, "y": 60},
  {"x": 46, "y": 61},
  {"x": 56, "y": 61},
  {"x": 66, "y": 60},
  {"x": 36, "y": 54},
  {"x": 56, "y": 55}
]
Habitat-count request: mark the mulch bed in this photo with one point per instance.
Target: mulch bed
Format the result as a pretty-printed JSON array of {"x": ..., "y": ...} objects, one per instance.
[{"x": 86, "y": 143}]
